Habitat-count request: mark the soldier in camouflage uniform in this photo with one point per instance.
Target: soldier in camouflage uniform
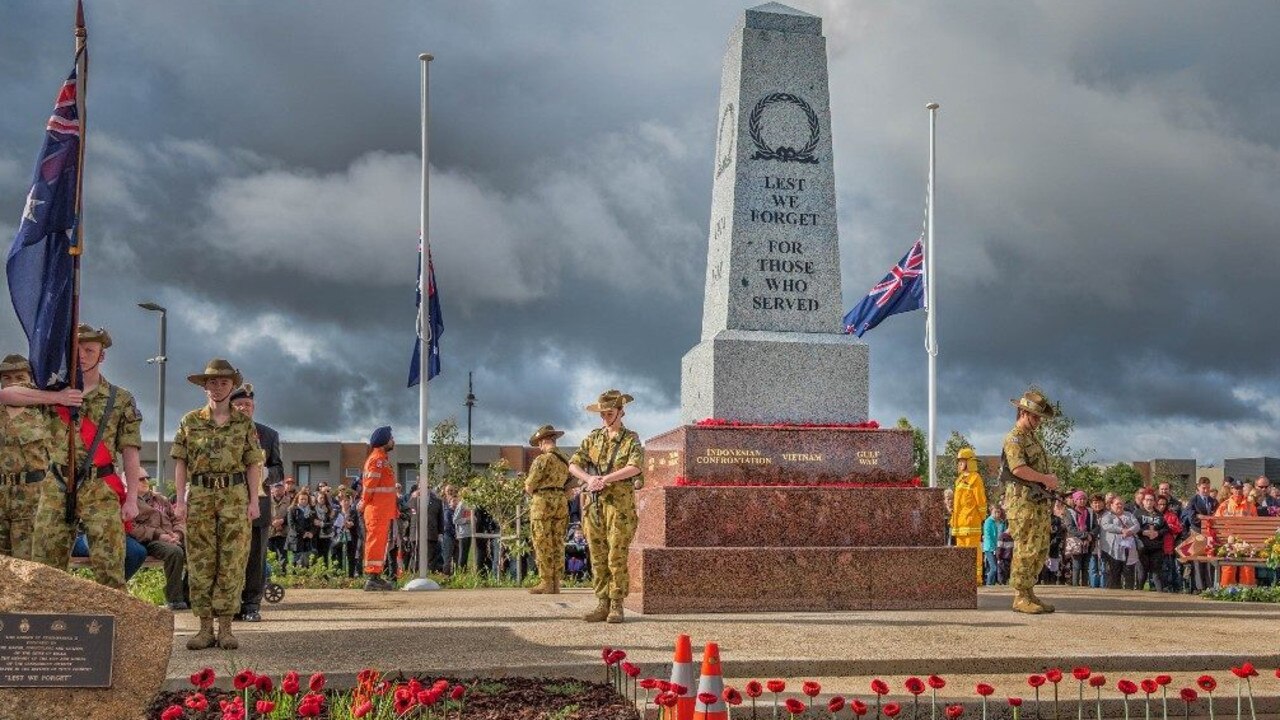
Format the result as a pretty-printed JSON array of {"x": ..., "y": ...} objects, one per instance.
[
  {"x": 217, "y": 453},
  {"x": 609, "y": 463},
  {"x": 98, "y": 504},
  {"x": 1026, "y": 501},
  {"x": 547, "y": 485},
  {"x": 25, "y": 440}
]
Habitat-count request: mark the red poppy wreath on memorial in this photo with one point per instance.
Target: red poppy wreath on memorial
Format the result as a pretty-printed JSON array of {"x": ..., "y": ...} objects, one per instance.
[
  {"x": 682, "y": 481},
  {"x": 721, "y": 422}
]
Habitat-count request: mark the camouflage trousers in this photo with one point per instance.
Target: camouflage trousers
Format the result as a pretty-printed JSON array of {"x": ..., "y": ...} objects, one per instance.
[
  {"x": 98, "y": 509},
  {"x": 217, "y": 549},
  {"x": 549, "y": 513},
  {"x": 609, "y": 523},
  {"x": 18, "y": 504},
  {"x": 1029, "y": 526}
]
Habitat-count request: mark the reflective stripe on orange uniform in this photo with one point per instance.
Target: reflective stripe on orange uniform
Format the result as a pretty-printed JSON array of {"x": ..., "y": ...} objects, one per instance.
[{"x": 380, "y": 508}]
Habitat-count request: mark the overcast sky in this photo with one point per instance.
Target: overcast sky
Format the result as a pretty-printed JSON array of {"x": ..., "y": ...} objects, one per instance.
[{"x": 1107, "y": 219}]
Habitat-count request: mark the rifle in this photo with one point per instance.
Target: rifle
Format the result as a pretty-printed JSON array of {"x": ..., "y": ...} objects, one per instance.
[{"x": 1035, "y": 490}]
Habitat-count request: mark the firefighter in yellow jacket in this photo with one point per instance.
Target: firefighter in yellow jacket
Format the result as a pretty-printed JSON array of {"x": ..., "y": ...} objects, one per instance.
[{"x": 969, "y": 505}]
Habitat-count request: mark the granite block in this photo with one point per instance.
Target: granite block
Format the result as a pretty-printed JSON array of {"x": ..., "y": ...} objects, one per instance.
[
  {"x": 723, "y": 455},
  {"x": 725, "y": 580},
  {"x": 790, "y": 517},
  {"x": 781, "y": 18},
  {"x": 771, "y": 377}
]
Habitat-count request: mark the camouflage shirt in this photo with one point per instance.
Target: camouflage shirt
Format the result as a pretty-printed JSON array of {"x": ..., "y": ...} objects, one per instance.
[
  {"x": 211, "y": 448},
  {"x": 1022, "y": 447},
  {"x": 597, "y": 448},
  {"x": 549, "y": 471},
  {"x": 123, "y": 429},
  {"x": 27, "y": 439}
]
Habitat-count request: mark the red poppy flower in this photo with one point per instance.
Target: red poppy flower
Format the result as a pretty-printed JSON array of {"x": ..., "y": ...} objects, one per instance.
[
  {"x": 776, "y": 686},
  {"x": 1163, "y": 680},
  {"x": 1188, "y": 695},
  {"x": 936, "y": 682},
  {"x": 1053, "y": 675},
  {"x": 1081, "y": 673},
  {"x": 605, "y": 652},
  {"x": 263, "y": 684},
  {"x": 1127, "y": 687},
  {"x": 401, "y": 693},
  {"x": 1207, "y": 683},
  {"x": 859, "y": 707},
  {"x": 1149, "y": 686},
  {"x": 197, "y": 702},
  {"x": 264, "y": 707},
  {"x": 914, "y": 685},
  {"x": 795, "y": 706},
  {"x": 362, "y": 709},
  {"x": 1278, "y": 672},
  {"x": 289, "y": 686},
  {"x": 630, "y": 670},
  {"x": 1248, "y": 667},
  {"x": 1035, "y": 681},
  {"x": 879, "y": 687},
  {"x": 414, "y": 686},
  {"x": 679, "y": 690},
  {"x": 316, "y": 683},
  {"x": 835, "y": 704},
  {"x": 313, "y": 709},
  {"x": 173, "y": 712},
  {"x": 732, "y": 696},
  {"x": 427, "y": 698},
  {"x": 954, "y": 711},
  {"x": 203, "y": 678},
  {"x": 402, "y": 704},
  {"x": 810, "y": 688},
  {"x": 753, "y": 689},
  {"x": 367, "y": 676},
  {"x": 985, "y": 690},
  {"x": 243, "y": 679},
  {"x": 647, "y": 683},
  {"x": 664, "y": 686},
  {"x": 291, "y": 675},
  {"x": 441, "y": 685},
  {"x": 1015, "y": 702},
  {"x": 616, "y": 657},
  {"x": 892, "y": 709},
  {"x": 667, "y": 699},
  {"x": 707, "y": 698},
  {"x": 1098, "y": 681},
  {"x": 457, "y": 692}
]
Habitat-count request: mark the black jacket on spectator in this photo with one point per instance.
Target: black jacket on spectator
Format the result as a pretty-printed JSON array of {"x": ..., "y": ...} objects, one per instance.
[
  {"x": 1198, "y": 505},
  {"x": 1091, "y": 531},
  {"x": 1153, "y": 520},
  {"x": 270, "y": 441}
]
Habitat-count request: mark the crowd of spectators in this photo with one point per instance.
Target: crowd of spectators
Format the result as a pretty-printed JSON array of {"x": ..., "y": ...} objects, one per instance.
[{"x": 1110, "y": 541}]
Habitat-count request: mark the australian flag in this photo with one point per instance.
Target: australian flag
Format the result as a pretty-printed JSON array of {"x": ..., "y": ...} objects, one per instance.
[
  {"x": 902, "y": 290},
  {"x": 434, "y": 326},
  {"x": 39, "y": 267}
]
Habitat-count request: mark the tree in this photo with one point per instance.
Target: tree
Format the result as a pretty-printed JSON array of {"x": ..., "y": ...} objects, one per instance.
[
  {"x": 1122, "y": 479},
  {"x": 1055, "y": 435},
  {"x": 919, "y": 450},
  {"x": 500, "y": 492},
  {"x": 449, "y": 458},
  {"x": 1087, "y": 478},
  {"x": 946, "y": 463}
]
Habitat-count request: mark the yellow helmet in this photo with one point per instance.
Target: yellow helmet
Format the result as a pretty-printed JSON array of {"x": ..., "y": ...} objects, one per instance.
[{"x": 966, "y": 453}]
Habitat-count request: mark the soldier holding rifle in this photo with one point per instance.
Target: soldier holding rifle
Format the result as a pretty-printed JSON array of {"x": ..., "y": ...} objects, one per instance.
[{"x": 1028, "y": 499}]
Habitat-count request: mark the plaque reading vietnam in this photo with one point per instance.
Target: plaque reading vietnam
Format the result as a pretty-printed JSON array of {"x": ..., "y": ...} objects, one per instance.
[{"x": 39, "y": 650}]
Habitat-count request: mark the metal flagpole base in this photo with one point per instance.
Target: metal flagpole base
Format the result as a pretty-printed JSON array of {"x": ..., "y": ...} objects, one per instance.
[{"x": 421, "y": 584}]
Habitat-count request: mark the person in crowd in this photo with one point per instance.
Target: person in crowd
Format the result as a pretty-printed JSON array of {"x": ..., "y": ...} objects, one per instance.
[
  {"x": 1052, "y": 572},
  {"x": 343, "y": 549},
  {"x": 162, "y": 534},
  {"x": 1164, "y": 490},
  {"x": 380, "y": 508},
  {"x": 548, "y": 487},
  {"x": 290, "y": 489},
  {"x": 1202, "y": 503},
  {"x": 277, "y": 540},
  {"x": 577, "y": 558},
  {"x": 1120, "y": 545},
  {"x": 322, "y": 506},
  {"x": 969, "y": 506},
  {"x": 1082, "y": 531},
  {"x": 464, "y": 526},
  {"x": 1097, "y": 561},
  {"x": 1266, "y": 505},
  {"x": 305, "y": 528},
  {"x": 1151, "y": 531},
  {"x": 992, "y": 528},
  {"x": 1172, "y": 573},
  {"x": 1237, "y": 504},
  {"x": 1135, "y": 504},
  {"x": 448, "y": 532},
  {"x": 105, "y": 500},
  {"x": 948, "y": 510},
  {"x": 244, "y": 399},
  {"x": 216, "y": 454}
]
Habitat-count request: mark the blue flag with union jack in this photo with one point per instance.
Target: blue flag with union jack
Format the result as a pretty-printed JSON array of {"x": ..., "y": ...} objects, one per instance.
[
  {"x": 39, "y": 266},
  {"x": 902, "y": 290},
  {"x": 434, "y": 327}
]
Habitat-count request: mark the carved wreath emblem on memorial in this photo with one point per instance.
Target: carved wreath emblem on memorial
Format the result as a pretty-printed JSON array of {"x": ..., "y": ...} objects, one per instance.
[
  {"x": 784, "y": 153},
  {"x": 727, "y": 135}
]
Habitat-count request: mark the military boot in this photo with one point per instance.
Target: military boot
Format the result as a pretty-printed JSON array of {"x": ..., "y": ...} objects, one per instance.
[
  {"x": 226, "y": 640},
  {"x": 615, "y": 611},
  {"x": 1024, "y": 603},
  {"x": 1047, "y": 607},
  {"x": 542, "y": 588},
  {"x": 203, "y": 639},
  {"x": 600, "y": 613}
]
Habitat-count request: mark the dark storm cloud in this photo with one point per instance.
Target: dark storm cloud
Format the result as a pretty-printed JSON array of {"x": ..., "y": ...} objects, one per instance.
[{"x": 1106, "y": 222}]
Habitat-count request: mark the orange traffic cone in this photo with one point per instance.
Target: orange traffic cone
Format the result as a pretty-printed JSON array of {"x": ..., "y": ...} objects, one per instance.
[
  {"x": 711, "y": 683},
  {"x": 682, "y": 675}
]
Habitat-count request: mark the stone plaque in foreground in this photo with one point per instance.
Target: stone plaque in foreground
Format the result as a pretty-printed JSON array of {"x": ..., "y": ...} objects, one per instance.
[{"x": 56, "y": 650}]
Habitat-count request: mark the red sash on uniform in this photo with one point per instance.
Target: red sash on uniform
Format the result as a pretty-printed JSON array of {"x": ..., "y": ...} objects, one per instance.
[{"x": 101, "y": 456}]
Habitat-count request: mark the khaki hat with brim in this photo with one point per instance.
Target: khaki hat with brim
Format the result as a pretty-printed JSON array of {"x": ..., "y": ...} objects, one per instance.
[
  {"x": 86, "y": 333},
  {"x": 544, "y": 432},
  {"x": 1035, "y": 403},
  {"x": 15, "y": 363},
  {"x": 610, "y": 400},
  {"x": 217, "y": 368}
]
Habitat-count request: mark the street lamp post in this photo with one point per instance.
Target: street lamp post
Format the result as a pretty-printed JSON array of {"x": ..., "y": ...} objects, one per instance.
[
  {"x": 159, "y": 361},
  {"x": 470, "y": 403}
]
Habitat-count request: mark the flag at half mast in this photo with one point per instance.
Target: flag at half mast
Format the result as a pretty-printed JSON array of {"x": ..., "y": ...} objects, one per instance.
[
  {"x": 40, "y": 266},
  {"x": 433, "y": 327},
  {"x": 902, "y": 290}
]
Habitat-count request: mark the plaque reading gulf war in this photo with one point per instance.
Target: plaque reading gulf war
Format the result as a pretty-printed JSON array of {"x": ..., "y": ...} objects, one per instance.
[{"x": 42, "y": 650}]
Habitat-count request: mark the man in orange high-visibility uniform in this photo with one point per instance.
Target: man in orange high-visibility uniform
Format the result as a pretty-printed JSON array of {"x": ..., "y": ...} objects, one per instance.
[{"x": 379, "y": 506}]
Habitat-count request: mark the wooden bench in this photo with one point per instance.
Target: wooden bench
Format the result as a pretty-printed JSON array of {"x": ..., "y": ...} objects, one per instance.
[
  {"x": 84, "y": 562},
  {"x": 1254, "y": 530}
]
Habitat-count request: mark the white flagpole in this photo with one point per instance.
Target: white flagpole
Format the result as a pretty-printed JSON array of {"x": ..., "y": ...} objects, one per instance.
[
  {"x": 423, "y": 582},
  {"x": 931, "y": 317}
]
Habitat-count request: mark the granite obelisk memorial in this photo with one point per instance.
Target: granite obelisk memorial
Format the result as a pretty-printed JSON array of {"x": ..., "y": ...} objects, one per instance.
[{"x": 775, "y": 493}]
